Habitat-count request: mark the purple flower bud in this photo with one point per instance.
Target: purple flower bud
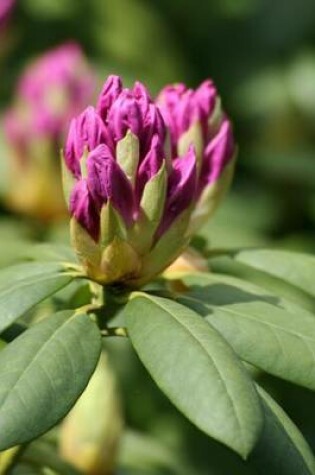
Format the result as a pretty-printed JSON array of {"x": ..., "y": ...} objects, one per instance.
[
  {"x": 195, "y": 117},
  {"x": 86, "y": 132},
  {"x": 129, "y": 109},
  {"x": 181, "y": 189},
  {"x": 83, "y": 208},
  {"x": 98, "y": 132},
  {"x": 111, "y": 90},
  {"x": 217, "y": 154},
  {"x": 182, "y": 107},
  {"x": 107, "y": 182},
  {"x": 128, "y": 197},
  {"x": 141, "y": 94},
  {"x": 125, "y": 114},
  {"x": 52, "y": 89},
  {"x": 150, "y": 165}
]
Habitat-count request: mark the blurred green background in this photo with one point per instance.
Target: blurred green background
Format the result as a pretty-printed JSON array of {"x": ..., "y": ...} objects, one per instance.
[{"x": 261, "y": 55}]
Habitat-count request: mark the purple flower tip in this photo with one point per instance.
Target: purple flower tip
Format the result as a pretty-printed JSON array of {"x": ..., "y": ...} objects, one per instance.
[
  {"x": 83, "y": 208},
  {"x": 98, "y": 131},
  {"x": 111, "y": 90},
  {"x": 150, "y": 165},
  {"x": 181, "y": 108},
  {"x": 218, "y": 153},
  {"x": 181, "y": 189},
  {"x": 86, "y": 132}
]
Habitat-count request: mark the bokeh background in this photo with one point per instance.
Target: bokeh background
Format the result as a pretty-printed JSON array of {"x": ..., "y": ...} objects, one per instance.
[{"x": 261, "y": 55}]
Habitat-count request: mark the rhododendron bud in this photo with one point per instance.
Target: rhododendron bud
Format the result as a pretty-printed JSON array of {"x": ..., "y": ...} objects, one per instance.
[
  {"x": 195, "y": 117},
  {"x": 130, "y": 209},
  {"x": 51, "y": 90},
  {"x": 89, "y": 436}
]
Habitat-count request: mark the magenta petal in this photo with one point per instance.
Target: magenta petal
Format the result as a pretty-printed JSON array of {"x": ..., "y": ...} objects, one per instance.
[
  {"x": 84, "y": 209},
  {"x": 181, "y": 107},
  {"x": 125, "y": 114},
  {"x": 187, "y": 112},
  {"x": 153, "y": 124},
  {"x": 108, "y": 182},
  {"x": 70, "y": 153},
  {"x": 150, "y": 165},
  {"x": 170, "y": 95},
  {"x": 111, "y": 90},
  {"x": 205, "y": 96},
  {"x": 124, "y": 110},
  {"x": 168, "y": 100},
  {"x": 141, "y": 94},
  {"x": 87, "y": 131},
  {"x": 181, "y": 189},
  {"x": 218, "y": 154}
]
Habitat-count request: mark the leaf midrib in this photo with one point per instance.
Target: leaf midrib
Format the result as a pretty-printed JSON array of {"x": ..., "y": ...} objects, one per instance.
[
  {"x": 30, "y": 281},
  {"x": 191, "y": 335},
  {"x": 226, "y": 309},
  {"x": 33, "y": 360}
]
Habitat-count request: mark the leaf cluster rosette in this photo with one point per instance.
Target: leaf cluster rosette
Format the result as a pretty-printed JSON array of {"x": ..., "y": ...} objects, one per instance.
[{"x": 139, "y": 179}]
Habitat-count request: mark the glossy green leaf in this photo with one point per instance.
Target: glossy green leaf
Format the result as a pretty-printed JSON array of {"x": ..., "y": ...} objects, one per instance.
[
  {"x": 268, "y": 332},
  {"x": 295, "y": 268},
  {"x": 275, "y": 285},
  {"x": 43, "y": 372},
  {"x": 24, "y": 285},
  {"x": 51, "y": 252},
  {"x": 282, "y": 449},
  {"x": 196, "y": 369}
]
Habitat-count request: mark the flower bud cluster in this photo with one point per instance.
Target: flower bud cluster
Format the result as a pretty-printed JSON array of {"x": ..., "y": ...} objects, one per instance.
[
  {"x": 131, "y": 198},
  {"x": 196, "y": 116}
]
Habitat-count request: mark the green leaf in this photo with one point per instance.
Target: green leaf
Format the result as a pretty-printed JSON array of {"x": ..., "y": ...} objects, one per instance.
[
  {"x": 275, "y": 285},
  {"x": 51, "y": 252},
  {"x": 144, "y": 454},
  {"x": 281, "y": 450},
  {"x": 196, "y": 369},
  {"x": 266, "y": 331},
  {"x": 24, "y": 285},
  {"x": 27, "y": 469},
  {"x": 43, "y": 372},
  {"x": 295, "y": 268}
]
